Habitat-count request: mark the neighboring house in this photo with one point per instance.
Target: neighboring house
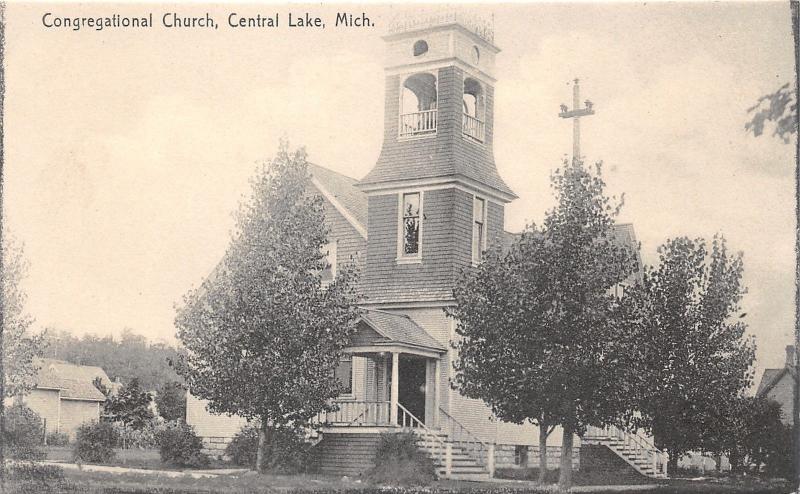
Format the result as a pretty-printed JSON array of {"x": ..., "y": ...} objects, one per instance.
[
  {"x": 778, "y": 385},
  {"x": 430, "y": 207},
  {"x": 64, "y": 395}
]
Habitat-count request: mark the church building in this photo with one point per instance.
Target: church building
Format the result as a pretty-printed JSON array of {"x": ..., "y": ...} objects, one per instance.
[{"x": 429, "y": 208}]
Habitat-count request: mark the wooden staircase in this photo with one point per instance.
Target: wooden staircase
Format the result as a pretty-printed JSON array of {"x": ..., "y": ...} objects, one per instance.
[
  {"x": 636, "y": 450},
  {"x": 456, "y": 453}
]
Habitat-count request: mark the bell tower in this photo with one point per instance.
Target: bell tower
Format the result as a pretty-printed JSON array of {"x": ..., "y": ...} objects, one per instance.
[{"x": 435, "y": 196}]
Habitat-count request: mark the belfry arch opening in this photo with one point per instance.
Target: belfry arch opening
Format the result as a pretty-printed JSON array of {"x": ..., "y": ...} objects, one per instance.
[
  {"x": 418, "y": 105},
  {"x": 474, "y": 107}
]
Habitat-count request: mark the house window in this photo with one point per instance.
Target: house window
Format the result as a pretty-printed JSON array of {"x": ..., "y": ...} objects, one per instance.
[
  {"x": 478, "y": 229},
  {"x": 329, "y": 273},
  {"x": 344, "y": 373},
  {"x": 410, "y": 224},
  {"x": 521, "y": 456}
]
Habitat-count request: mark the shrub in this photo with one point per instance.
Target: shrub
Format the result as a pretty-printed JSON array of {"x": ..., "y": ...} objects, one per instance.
[
  {"x": 244, "y": 447},
  {"x": 94, "y": 442},
  {"x": 24, "y": 433},
  {"x": 179, "y": 445},
  {"x": 144, "y": 438},
  {"x": 33, "y": 478},
  {"x": 57, "y": 438},
  {"x": 289, "y": 452},
  {"x": 399, "y": 461}
]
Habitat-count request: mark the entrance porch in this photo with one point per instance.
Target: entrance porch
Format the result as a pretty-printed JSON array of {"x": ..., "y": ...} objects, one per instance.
[
  {"x": 401, "y": 376},
  {"x": 400, "y": 385}
]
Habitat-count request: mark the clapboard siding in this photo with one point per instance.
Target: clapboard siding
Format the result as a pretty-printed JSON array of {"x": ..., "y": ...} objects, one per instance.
[{"x": 207, "y": 424}]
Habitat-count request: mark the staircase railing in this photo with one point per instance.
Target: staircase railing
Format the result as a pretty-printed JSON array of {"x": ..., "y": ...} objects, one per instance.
[
  {"x": 642, "y": 445},
  {"x": 457, "y": 433},
  {"x": 437, "y": 448},
  {"x": 357, "y": 413}
]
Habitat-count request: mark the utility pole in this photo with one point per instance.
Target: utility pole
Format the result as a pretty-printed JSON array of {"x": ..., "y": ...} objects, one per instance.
[
  {"x": 575, "y": 114},
  {"x": 795, "y": 6}
]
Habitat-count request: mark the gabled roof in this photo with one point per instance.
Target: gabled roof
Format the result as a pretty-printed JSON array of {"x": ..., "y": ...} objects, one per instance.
[
  {"x": 342, "y": 189},
  {"x": 771, "y": 377},
  {"x": 397, "y": 329},
  {"x": 74, "y": 381}
]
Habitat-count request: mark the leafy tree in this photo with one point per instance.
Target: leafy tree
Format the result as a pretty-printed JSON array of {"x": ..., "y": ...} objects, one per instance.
[
  {"x": 131, "y": 405},
  {"x": 127, "y": 357},
  {"x": 542, "y": 338},
  {"x": 779, "y": 108},
  {"x": 263, "y": 335},
  {"x": 695, "y": 358},
  {"x": 171, "y": 401},
  {"x": 20, "y": 346}
]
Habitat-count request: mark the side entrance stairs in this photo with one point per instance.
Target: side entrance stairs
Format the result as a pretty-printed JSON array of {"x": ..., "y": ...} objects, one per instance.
[{"x": 636, "y": 450}]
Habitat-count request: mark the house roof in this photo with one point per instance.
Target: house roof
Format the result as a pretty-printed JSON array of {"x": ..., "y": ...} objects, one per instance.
[
  {"x": 74, "y": 381},
  {"x": 771, "y": 377},
  {"x": 399, "y": 329},
  {"x": 342, "y": 189}
]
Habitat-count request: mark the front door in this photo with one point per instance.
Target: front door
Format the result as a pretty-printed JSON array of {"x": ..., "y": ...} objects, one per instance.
[{"x": 411, "y": 388}]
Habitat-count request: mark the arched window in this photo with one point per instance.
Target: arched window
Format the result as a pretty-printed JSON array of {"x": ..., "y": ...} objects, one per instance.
[
  {"x": 420, "y": 47},
  {"x": 474, "y": 107},
  {"x": 418, "y": 105}
]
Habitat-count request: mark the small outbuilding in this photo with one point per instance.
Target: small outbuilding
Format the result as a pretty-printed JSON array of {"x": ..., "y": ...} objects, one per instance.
[{"x": 65, "y": 396}]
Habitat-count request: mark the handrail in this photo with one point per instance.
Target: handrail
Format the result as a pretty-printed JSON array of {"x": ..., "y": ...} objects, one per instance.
[
  {"x": 407, "y": 419},
  {"x": 475, "y": 447},
  {"x": 658, "y": 458},
  {"x": 418, "y": 123},
  {"x": 473, "y": 127},
  {"x": 357, "y": 413}
]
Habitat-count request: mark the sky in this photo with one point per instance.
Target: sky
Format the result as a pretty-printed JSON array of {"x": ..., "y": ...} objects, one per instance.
[{"x": 127, "y": 152}]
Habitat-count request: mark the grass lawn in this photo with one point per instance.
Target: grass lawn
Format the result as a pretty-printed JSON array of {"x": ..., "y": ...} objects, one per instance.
[
  {"x": 107, "y": 483},
  {"x": 132, "y": 458}
]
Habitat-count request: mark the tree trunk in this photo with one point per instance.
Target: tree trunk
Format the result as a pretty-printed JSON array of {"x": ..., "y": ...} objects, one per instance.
[
  {"x": 264, "y": 445},
  {"x": 543, "y": 453},
  {"x": 672, "y": 464},
  {"x": 565, "y": 475}
]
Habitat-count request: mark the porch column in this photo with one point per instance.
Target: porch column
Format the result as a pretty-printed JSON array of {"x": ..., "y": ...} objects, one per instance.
[
  {"x": 395, "y": 393},
  {"x": 437, "y": 377}
]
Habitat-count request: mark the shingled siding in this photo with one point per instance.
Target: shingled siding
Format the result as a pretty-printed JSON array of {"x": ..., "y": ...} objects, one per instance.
[
  {"x": 350, "y": 245},
  {"x": 386, "y": 280}
]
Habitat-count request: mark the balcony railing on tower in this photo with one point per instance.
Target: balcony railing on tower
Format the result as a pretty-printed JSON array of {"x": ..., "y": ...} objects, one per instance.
[
  {"x": 473, "y": 128},
  {"x": 418, "y": 123}
]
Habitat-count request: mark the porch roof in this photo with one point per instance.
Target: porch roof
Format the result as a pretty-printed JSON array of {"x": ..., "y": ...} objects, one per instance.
[{"x": 381, "y": 331}]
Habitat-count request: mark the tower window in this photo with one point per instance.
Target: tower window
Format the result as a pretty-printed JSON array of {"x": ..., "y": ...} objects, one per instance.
[
  {"x": 420, "y": 47},
  {"x": 478, "y": 229},
  {"x": 410, "y": 224},
  {"x": 329, "y": 273},
  {"x": 418, "y": 105},
  {"x": 473, "y": 106}
]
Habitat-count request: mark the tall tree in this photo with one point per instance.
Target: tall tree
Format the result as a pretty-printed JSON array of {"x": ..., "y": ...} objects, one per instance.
[
  {"x": 696, "y": 359},
  {"x": 125, "y": 358},
  {"x": 20, "y": 345},
  {"x": 542, "y": 337},
  {"x": 263, "y": 335}
]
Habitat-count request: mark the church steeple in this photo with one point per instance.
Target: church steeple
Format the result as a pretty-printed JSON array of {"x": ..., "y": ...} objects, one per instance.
[
  {"x": 439, "y": 108},
  {"x": 436, "y": 200}
]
